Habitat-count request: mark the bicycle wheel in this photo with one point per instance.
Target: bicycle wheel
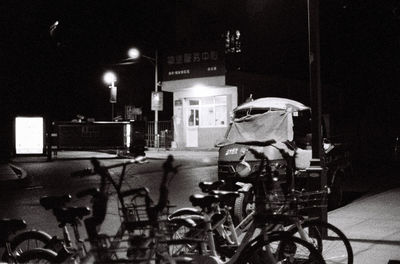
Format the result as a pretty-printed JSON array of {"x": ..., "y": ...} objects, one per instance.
[
  {"x": 37, "y": 255},
  {"x": 28, "y": 240},
  {"x": 185, "y": 234},
  {"x": 334, "y": 248},
  {"x": 244, "y": 204},
  {"x": 282, "y": 248}
]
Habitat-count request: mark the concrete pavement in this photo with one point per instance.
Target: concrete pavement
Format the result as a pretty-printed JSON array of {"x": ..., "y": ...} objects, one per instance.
[{"x": 372, "y": 222}]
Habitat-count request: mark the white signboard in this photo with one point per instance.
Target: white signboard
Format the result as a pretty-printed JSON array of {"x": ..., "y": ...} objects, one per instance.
[
  {"x": 29, "y": 135},
  {"x": 157, "y": 101}
]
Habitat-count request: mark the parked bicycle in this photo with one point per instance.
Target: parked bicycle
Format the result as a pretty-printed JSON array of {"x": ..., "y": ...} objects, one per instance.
[
  {"x": 123, "y": 245},
  {"x": 330, "y": 241},
  {"x": 34, "y": 255},
  {"x": 266, "y": 247},
  {"x": 137, "y": 239}
]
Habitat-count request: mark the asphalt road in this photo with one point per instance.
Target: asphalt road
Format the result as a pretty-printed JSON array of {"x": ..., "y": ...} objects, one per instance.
[{"x": 53, "y": 178}]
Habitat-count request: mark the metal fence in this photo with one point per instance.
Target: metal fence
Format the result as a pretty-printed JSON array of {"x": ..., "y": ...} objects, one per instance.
[{"x": 165, "y": 134}]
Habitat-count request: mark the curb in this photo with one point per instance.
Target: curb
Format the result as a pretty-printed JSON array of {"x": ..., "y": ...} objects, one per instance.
[{"x": 21, "y": 178}]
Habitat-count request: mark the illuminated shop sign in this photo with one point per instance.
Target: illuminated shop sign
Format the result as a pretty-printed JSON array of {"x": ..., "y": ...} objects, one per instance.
[{"x": 194, "y": 64}]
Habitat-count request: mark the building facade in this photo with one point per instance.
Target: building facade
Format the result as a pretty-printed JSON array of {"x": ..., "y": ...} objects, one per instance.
[{"x": 202, "y": 102}]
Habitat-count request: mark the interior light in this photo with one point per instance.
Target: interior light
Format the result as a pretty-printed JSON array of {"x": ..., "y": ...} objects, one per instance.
[{"x": 199, "y": 86}]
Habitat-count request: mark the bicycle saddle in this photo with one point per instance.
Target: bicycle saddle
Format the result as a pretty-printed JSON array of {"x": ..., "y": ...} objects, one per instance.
[
  {"x": 210, "y": 186},
  {"x": 52, "y": 202},
  {"x": 225, "y": 195},
  {"x": 68, "y": 215},
  {"x": 203, "y": 200}
]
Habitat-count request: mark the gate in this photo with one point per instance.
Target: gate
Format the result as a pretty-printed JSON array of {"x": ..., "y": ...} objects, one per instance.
[{"x": 165, "y": 134}]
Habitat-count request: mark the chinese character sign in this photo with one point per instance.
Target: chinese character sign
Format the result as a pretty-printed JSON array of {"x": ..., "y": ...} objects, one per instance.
[{"x": 193, "y": 64}]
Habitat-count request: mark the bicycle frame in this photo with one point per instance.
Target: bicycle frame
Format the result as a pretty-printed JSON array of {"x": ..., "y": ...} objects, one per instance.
[{"x": 128, "y": 225}]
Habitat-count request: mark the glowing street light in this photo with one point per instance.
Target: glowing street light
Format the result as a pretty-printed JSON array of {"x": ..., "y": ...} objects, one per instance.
[
  {"x": 110, "y": 78},
  {"x": 133, "y": 53}
]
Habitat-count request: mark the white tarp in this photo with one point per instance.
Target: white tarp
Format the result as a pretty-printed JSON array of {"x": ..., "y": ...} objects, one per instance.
[{"x": 277, "y": 125}]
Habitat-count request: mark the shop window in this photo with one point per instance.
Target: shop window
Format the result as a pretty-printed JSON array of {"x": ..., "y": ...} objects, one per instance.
[
  {"x": 220, "y": 115},
  {"x": 213, "y": 111},
  {"x": 207, "y": 116}
]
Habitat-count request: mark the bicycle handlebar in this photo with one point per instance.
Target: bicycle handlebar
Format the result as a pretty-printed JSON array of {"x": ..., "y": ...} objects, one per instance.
[
  {"x": 142, "y": 191},
  {"x": 82, "y": 173},
  {"x": 90, "y": 171}
]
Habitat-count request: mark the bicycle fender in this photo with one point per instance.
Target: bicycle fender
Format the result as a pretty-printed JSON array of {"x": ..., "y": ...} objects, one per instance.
[
  {"x": 245, "y": 187},
  {"x": 184, "y": 212},
  {"x": 183, "y": 222}
]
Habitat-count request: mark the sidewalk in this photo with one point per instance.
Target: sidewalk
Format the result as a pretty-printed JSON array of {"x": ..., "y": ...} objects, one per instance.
[{"x": 372, "y": 224}]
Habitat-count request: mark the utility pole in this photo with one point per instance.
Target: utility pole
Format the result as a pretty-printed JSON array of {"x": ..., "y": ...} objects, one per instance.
[
  {"x": 317, "y": 168},
  {"x": 156, "y": 142}
]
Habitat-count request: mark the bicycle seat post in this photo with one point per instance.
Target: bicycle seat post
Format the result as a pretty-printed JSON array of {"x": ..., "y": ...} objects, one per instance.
[
  {"x": 79, "y": 242},
  {"x": 66, "y": 235}
]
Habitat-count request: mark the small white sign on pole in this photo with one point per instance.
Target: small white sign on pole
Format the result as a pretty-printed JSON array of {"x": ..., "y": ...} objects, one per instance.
[{"x": 157, "y": 101}]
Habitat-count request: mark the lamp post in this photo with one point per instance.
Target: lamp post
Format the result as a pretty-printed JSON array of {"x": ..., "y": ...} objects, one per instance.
[
  {"x": 317, "y": 162},
  {"x": 110, "y": 78},
  {"x": 134, "y": 54}
]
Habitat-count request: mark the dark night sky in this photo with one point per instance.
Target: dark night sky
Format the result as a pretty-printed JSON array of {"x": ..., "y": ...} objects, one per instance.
[
  {"x": 60, "y": 76},
  {"x": 64, "y": 72}
]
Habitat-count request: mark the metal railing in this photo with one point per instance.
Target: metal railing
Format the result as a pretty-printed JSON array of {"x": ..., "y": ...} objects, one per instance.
[{"x": 165, "y": 134}]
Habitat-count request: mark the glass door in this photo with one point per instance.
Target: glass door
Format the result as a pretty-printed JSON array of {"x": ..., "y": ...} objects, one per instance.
[{"x": 192, "y": 124}]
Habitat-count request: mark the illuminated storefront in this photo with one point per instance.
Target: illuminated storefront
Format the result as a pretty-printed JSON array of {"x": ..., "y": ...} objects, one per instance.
[{"x": 202, "y": 101}]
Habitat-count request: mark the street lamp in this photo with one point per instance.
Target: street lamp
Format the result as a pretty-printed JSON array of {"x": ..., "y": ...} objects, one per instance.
[
  {"x": 134, "y": 54},
  {"x": 110, "y": 78}
]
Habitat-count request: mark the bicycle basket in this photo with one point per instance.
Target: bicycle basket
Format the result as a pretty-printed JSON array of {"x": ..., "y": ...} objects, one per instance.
[
  {"x": 296, "y": 203},
  {"x": 134, "y": 212},
  {"x": 311, "y": 199}
]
